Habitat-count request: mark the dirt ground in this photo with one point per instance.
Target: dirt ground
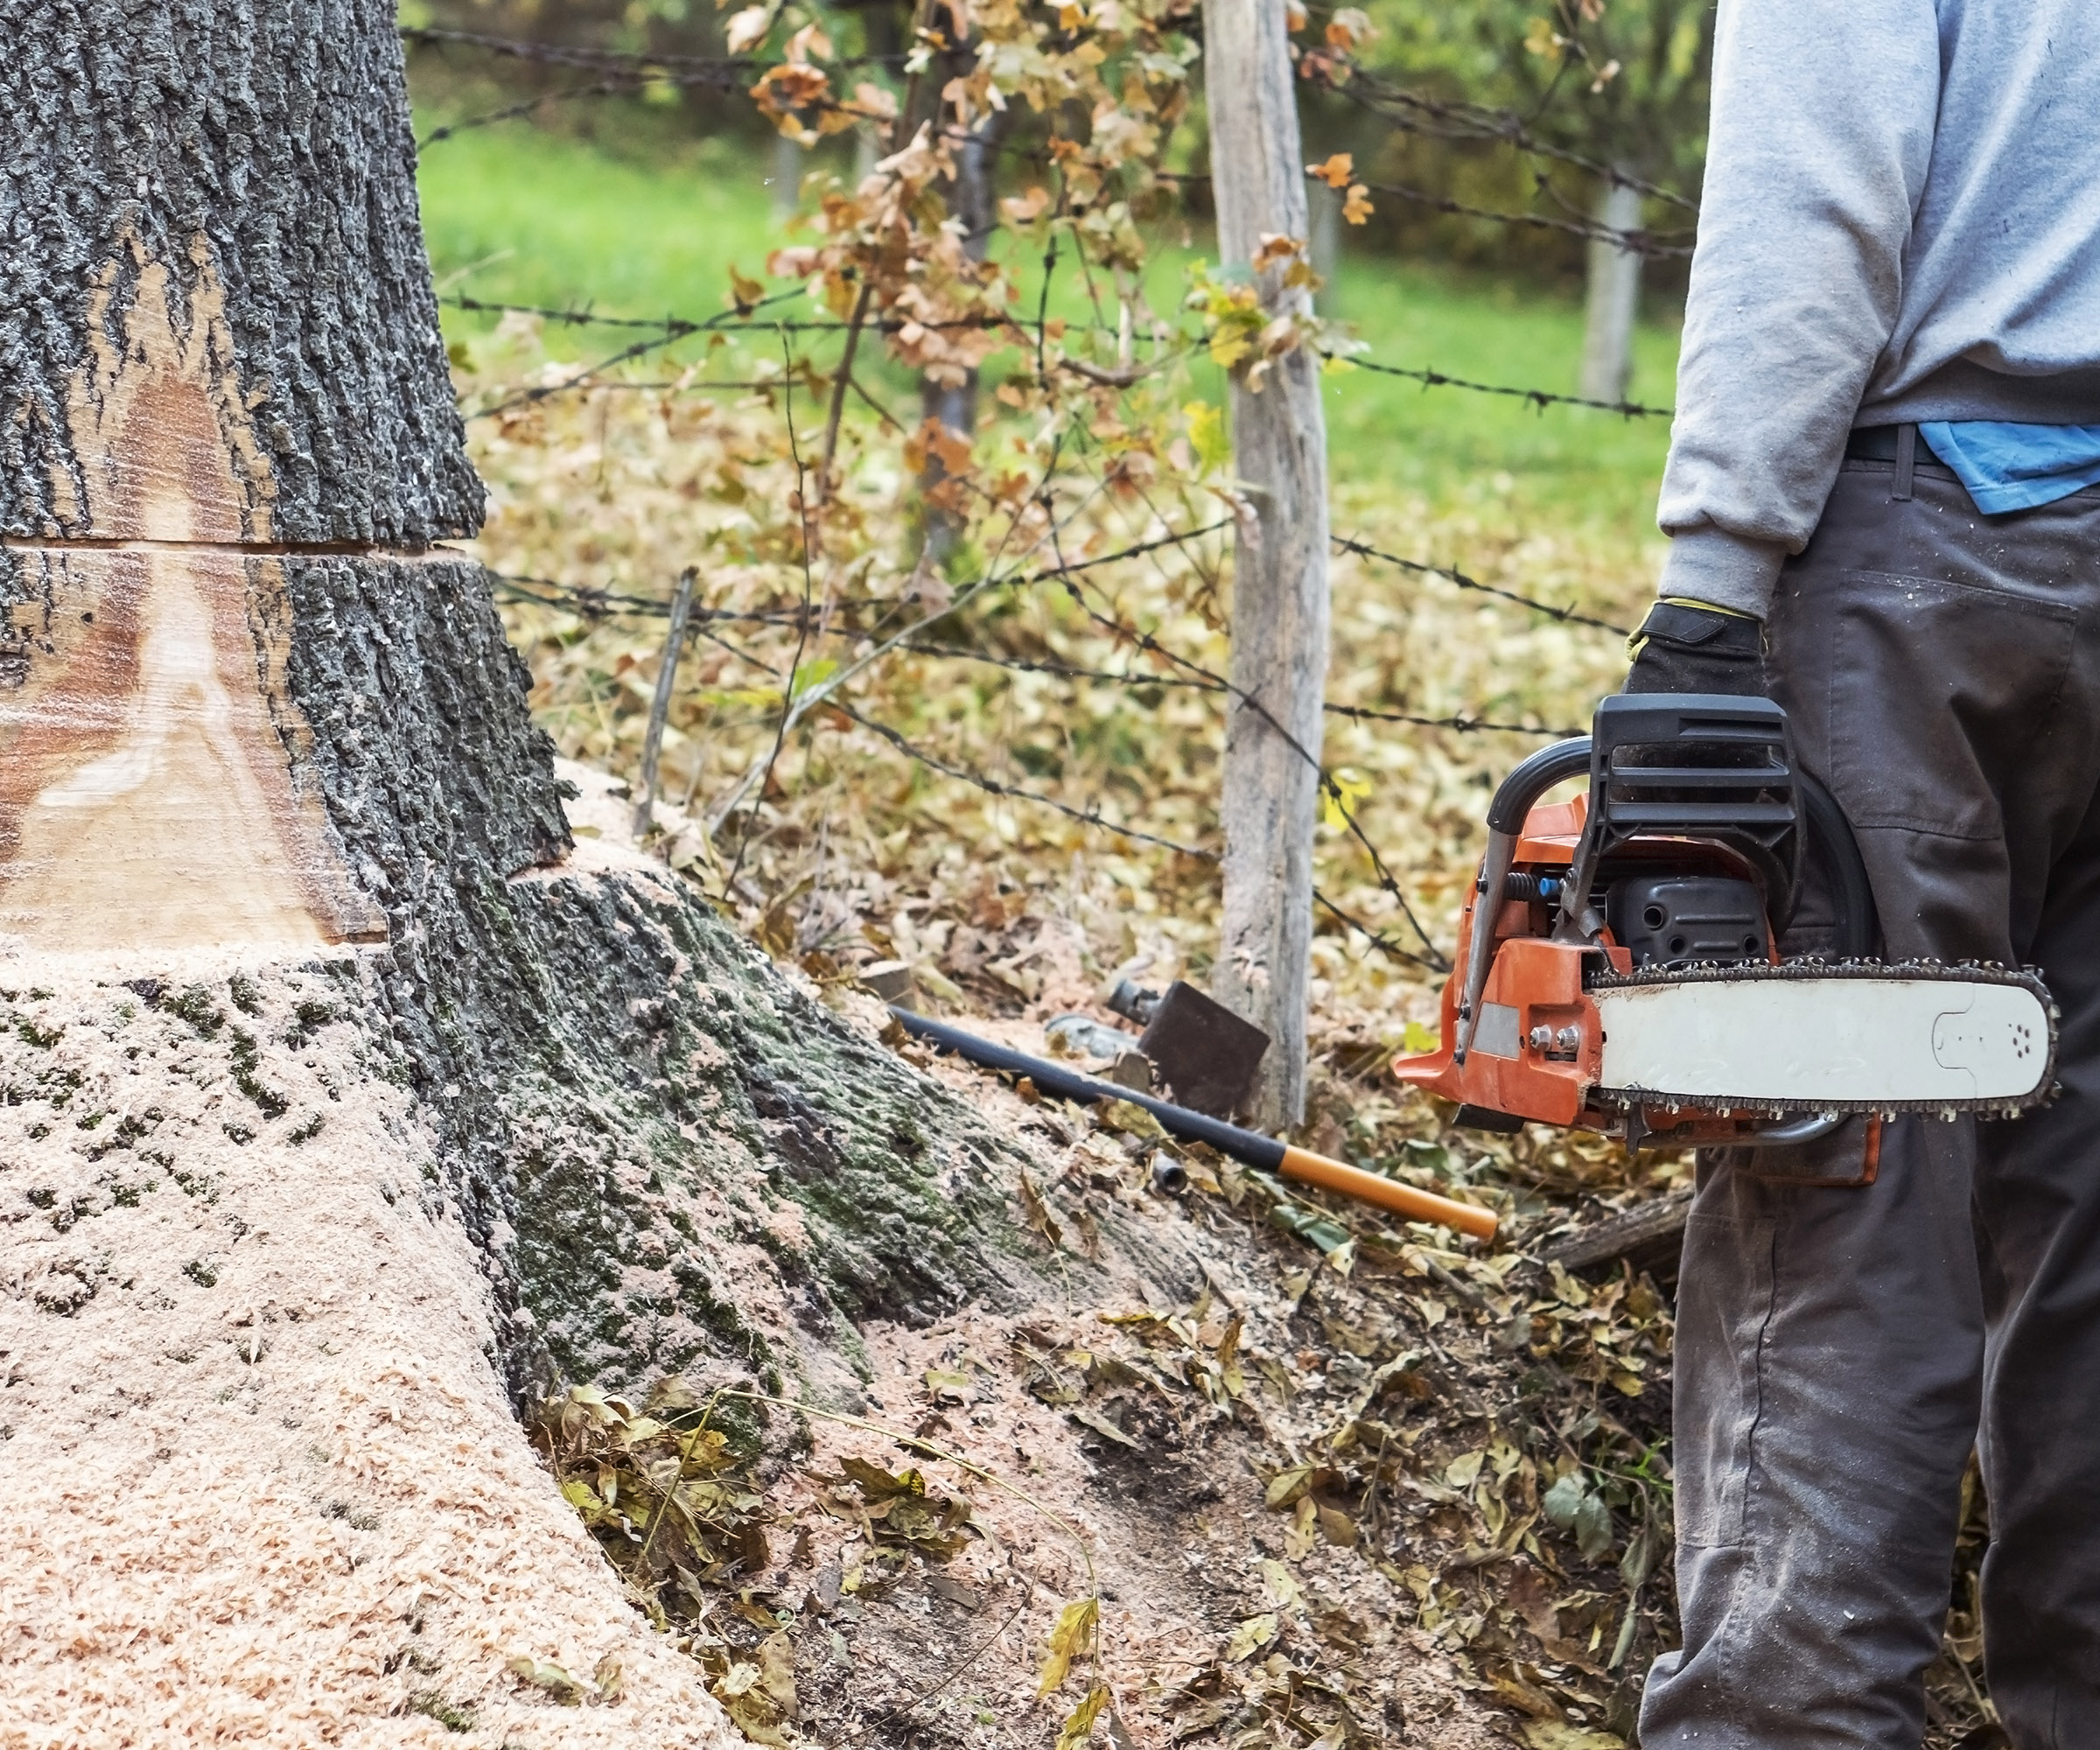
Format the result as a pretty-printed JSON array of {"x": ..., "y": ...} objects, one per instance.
[{"x": 1183, "y": 1432}]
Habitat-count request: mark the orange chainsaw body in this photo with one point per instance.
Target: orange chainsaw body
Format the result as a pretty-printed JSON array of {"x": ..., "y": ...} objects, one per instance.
[
  {"x": 1540, "y": 980},
  {"x": 1686, "y": 853}
]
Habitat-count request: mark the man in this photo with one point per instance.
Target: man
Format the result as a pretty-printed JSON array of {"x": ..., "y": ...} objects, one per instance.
[{"x": 1881, "y": 500}]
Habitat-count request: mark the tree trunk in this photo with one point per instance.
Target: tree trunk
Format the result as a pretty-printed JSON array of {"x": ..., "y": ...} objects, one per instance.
[
  {"x": 784, "y": 178},
  {"x": 1325, "y": 249},
  {"x": 344, "y": 1102},
  {"x": 1279, "y": 614},
  {"x": 1614, "y": 300},
  {"x": 953, "y": 405}
]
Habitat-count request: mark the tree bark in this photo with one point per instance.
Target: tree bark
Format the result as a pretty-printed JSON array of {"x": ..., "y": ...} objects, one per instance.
[
  {"x": 344, "y": 1102},
  {"x": 1279, "y": 615},
  {"x": 1614, "y": 300},
  {"x": 1325, "y": 246},
  {"x": 953, "y": 405},
  {"x": 784, "y": 178}
]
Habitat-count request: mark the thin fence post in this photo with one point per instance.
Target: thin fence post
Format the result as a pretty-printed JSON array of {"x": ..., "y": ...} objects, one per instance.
[
  {"x": 659, "y": 707},
  {"x": 1279, "y": 613},
  {"x": 1613, "y": 299}
]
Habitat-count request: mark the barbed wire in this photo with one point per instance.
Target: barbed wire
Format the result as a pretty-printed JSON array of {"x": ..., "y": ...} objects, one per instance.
[
  {"x": 999, "y": 787},
  {"x": 1036, "y": 665},
  {"x": 575, "y": 317},
  {"x": 1568, "y": 616},
  {"x": 1641, "y": 241},
  {"x": 1440, "y": 118},
  {"x": 590, "y": 599},
  {"x": 511, "y": 111},
  {"x": 637, "y": 63},
  {"x": 667, "y": 331},
  {"x": 541, "y": 392},
  {"x": 599, "y": 602},
  {"x": 1638, "y": 241},
  {"x": 1539, "y": 398},
  {"x": 741, "y": 319},
  {"x": 672, "y": 328},
  {"x": 1464, "y": 725}
]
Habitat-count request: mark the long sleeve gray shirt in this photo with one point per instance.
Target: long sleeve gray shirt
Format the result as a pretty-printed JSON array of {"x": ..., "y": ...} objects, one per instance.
[{"x": 1901, "y": 221}]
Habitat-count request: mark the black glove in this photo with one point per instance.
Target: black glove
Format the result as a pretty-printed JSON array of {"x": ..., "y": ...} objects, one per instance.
[{"x": 1684, "y": 648}]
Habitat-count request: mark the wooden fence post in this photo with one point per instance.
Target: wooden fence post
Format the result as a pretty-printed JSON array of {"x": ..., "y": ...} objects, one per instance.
[
  {"x": 660, "y": 708},
  {"x": 1613, "y": 302},
  {"x": 1279, "y": 613}
]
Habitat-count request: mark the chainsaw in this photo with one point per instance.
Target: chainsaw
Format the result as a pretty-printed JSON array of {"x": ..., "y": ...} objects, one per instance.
[{"x": 1618, "y": 966}]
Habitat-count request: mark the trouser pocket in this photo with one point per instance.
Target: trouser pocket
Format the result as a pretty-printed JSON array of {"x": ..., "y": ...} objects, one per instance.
[{"x": 1939, "y": 693}]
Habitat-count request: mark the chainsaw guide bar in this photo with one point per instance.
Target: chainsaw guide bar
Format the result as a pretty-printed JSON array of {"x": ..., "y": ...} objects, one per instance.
[{"x": 1826, "y": 1037}]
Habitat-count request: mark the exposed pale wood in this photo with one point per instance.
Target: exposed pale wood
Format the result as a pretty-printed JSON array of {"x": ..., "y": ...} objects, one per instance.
[
  {"x": 150, "y": 795},
  {"x": 147, "y": 796},
  {"x": 1279, "y": 616}
]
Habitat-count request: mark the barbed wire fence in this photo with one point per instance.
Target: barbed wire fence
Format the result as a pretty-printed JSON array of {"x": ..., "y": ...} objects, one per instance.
[{"x": 867, "y": 622}]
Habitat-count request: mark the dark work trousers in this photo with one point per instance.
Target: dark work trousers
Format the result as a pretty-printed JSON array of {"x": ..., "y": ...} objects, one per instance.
[{"x": 1841, "y": 1348}]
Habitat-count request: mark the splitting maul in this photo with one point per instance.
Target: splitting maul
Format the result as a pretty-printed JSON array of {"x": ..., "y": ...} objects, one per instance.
[
  {"x": 1618, "y": 967},
  {"x": 1252, "y": 1148}
]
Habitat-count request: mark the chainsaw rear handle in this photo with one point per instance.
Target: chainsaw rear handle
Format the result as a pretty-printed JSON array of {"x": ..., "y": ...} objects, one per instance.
[{"x": 1513, "y": 799}]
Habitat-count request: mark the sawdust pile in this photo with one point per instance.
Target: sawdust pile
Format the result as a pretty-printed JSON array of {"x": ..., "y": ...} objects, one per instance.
[{"x": 262, "y": 1485}]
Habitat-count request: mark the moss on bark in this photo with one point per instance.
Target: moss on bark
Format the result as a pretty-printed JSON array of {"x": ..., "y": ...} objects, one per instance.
[{"x": 672, "y": 1154}]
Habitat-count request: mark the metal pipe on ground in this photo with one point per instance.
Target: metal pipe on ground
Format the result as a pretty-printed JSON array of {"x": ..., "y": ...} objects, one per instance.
[{"x": 1248, "y": 1147}]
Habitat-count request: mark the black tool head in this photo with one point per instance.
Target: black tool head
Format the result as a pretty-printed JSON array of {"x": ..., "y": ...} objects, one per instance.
[{"x": 1203, "y": 1051}]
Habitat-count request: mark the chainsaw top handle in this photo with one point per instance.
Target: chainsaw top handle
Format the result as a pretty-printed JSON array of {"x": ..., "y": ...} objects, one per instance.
[
  {"x": 1517, "y": 794},
  {"x": 1689, "y": 765}
]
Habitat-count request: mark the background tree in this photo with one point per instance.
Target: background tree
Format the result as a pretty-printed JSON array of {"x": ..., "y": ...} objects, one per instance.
[{"x": 1621, "y": 82}]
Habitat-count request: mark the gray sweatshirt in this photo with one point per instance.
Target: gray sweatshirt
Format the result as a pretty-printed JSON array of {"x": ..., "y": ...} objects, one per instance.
[{"x": 1901, "y": 221}]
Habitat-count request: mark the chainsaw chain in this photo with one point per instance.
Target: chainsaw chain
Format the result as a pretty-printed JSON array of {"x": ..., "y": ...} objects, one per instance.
[{"x": 1808, "y": 967}]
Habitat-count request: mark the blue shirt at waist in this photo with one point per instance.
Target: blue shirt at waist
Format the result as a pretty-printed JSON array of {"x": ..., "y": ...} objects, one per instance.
[{"x": 2016, "y": 467}]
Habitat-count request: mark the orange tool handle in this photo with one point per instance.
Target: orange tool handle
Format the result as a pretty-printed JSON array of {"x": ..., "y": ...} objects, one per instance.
[
  {"x": 1387, "y": 1193},
  {"x": 1249, "y": 1146}
]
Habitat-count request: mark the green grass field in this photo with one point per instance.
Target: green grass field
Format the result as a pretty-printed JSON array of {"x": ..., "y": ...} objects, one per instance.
[{"x": 514, "y": 213}]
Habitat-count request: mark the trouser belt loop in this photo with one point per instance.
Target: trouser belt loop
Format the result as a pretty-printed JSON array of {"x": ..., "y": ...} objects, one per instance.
[{"x": 1907, "y": 460}]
